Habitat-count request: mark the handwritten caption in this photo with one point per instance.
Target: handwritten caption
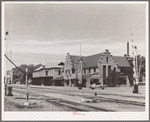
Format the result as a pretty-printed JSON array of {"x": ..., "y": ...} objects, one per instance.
[{"x": 75, "y": 113}]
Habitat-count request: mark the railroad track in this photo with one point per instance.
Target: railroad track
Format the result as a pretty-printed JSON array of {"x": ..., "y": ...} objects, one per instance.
[
  {"x": 104, "y": 99},
  {"x": 69, "y": 104},
  {"x": 121, "y": 101},
  {"x": 76, "y": 106}
]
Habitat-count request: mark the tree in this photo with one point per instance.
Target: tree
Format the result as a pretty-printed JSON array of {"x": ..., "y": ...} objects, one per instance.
[
  {"x": 141, "y": 67},
  {"x": 112, "y": 79},
  {"x": 20, "y": 76}
]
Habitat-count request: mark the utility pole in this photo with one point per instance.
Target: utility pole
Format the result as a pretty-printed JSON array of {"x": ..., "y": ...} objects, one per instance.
[
  {"x": 27, "y": 91},
  {"x": 80, "y": 70}
]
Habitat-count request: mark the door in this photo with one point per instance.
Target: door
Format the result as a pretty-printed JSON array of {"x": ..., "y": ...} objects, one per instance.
[{"x": 104, "y": 74}]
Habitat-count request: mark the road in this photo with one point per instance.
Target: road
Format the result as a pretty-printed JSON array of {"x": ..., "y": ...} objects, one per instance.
[{"x": 108, "y": 100}]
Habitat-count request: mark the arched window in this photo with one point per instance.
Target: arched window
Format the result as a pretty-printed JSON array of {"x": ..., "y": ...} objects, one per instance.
[
  {"x": 114, "y": 69},
  {"x": 106, "y": 59}
]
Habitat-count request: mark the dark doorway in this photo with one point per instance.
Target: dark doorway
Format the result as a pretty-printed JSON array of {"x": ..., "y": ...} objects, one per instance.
[
  {"x": 104, "y": 74},
  {"x": 109, "y": 69}
]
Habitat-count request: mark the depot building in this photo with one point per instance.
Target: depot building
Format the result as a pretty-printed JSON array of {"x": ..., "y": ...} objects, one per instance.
[{"x": 95, "y": 69}]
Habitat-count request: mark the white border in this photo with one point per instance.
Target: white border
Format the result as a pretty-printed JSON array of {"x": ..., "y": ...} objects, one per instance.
[
  {"x": 88, "y": 115},
  {"x": 81, "y": 2}
]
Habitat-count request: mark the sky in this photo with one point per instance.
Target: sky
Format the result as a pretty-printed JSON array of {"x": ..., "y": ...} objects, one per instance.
[{"x": 46, "y": 32}]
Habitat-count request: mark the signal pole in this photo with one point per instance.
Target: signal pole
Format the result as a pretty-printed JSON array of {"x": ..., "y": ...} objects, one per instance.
[{"x": 135, "y": 67}]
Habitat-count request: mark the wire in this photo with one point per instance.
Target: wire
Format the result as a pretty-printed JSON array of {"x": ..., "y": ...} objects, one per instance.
[{"x": 14, "y": 64}]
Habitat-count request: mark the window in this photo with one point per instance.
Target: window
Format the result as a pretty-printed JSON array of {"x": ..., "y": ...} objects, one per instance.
[
  {"x": 106, "y": 59},
  {"x": 69, "y": 72},
  {"x": 73, "y": 71},
  {"x": 52, "y": 73},
  {"x": 65, "y": 71},
  {"x": 89, "y": 70},
  {"x": 94, "y": 69},
  {"x": 58, "y": 72},
  {"x": 121, "y": 69},
  {"x": 84, "y": 71},
  {"x": 46, "y": 72},
  {"x": 114, "y": 69},
  {"x": 109, "y": 69}
]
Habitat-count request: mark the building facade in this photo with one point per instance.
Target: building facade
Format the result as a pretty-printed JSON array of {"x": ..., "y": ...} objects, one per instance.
[
  {"x": 44, "y": 75},
  {"x": 86, "y": 70},
  {"x": 95, "y": 68}
]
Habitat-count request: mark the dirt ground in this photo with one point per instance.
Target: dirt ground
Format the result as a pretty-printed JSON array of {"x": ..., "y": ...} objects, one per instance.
[{"x": 12, "y": 103}]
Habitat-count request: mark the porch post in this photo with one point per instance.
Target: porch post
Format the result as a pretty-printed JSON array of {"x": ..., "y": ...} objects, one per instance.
[
  {"x": 74, "y": 83},
  {"x": 88, "y": 82},
  {"x": 65, "y": 84},
  {"x": 69, "y": 82}
]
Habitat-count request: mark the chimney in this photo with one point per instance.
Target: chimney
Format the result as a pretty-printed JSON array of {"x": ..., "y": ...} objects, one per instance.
[
  {"x": 107, "y": 50},
  {"x": 127, "y": 48}
]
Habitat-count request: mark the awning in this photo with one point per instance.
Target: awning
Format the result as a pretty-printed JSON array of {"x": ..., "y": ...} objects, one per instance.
[{"x": 59, "y": 78}]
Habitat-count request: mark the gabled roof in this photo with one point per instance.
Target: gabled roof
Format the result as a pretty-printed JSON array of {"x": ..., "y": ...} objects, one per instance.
[
  {"x": 52, "y": 65},
  {"x": 61, "y": 63},
  {"x": 48, "y": 66},
  {"x": 122, "y": 61},
  {"x": 41, "y": 67},
  {"x": 91, "y": 61},
  {"x": 88, "y": 61},
  {"x": 73, "y": 59}
]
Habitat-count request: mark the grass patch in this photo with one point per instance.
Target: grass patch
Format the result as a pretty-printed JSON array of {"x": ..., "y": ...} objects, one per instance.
[
  {"x": 31, "y": 106},
  {"x": 12, "y": 104}
]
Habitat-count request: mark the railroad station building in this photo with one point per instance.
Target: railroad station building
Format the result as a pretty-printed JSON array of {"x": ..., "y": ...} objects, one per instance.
[{"x": 96, "y": 68}]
